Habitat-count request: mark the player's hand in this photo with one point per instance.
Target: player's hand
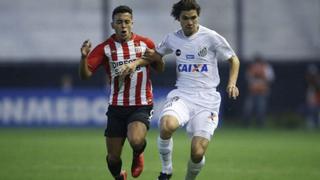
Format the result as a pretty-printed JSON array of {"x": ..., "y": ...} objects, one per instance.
[
  {"x": 127, "y": 69},
  {"x": 85, "y": 48},
  {"x": 148, "y": 54},
  {"x": 233, "y": 91}
]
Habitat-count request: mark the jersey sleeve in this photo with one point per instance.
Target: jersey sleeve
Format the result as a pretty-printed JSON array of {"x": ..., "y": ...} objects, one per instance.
[
  {"x": 222, "y": 48},
  {"x": 95, "y": 58},
  {"x": 163, "y": 48}
]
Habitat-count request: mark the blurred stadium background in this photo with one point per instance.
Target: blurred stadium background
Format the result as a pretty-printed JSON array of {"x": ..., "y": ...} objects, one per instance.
[
  {"x": 40, "y": 50},
  {"x": 39, "y": 53}
]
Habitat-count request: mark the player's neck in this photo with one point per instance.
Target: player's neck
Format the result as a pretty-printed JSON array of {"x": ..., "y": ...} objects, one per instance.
[
  {"x": 192, "y": 33},
  {"x": 120, "y": 39}
]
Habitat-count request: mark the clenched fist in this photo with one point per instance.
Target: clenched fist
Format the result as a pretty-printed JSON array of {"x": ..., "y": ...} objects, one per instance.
[{"x": 86, "y": 48}]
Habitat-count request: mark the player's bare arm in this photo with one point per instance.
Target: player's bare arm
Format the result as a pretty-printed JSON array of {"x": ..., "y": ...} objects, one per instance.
[
  {"x": 232, "y": 89},
  {"x": 156, "y": 60},
  {"x": 127, "y": 69},
  {"x": 158, "y": 64},
  {"x": 84, "y": 72}
]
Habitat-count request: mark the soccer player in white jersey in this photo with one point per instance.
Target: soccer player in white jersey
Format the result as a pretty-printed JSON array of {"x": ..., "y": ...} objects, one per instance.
[
  {"x": 131, "y": 99},
  {"x": 195, "y": 102}
]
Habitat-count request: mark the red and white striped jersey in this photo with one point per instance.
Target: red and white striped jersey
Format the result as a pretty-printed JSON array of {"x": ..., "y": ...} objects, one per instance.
[{"x": 134, "y": 90}]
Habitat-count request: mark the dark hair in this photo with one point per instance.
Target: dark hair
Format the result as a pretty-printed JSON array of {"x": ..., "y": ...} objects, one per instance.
[
  {"x": 184, "y": 5},
  {"x": 121, "y": 9}
]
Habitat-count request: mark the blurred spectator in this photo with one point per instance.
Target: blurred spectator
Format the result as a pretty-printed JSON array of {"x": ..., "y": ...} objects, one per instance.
[
  {"x": 259, "y": 76},
  {"x": 313, "y": 96},
  {"x": 66, "y": 83}
]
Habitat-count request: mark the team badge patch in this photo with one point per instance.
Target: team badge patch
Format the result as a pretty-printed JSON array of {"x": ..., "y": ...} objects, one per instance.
[
  {"x": 213, "y": 116},
  {"x": 203, "y": 52}
]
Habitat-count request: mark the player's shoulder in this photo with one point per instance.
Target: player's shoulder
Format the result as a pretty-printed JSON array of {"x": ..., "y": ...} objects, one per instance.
[
  {"x": 208, "y": 32},
  {"x": 106, "y": 42},
  {"x": 148, "y": 41},
  {"x": 213, "y": 36},
  {"x": 142, "y": 38},
  {"x": 173, "y": 36}
]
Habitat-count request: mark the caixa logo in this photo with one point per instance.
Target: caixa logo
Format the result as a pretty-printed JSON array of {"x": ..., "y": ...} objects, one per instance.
[{"x": 193, "y": 68}]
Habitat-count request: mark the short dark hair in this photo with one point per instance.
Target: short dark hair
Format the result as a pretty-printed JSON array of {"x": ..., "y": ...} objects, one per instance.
[
  {"x": 184, "y": 5},
  {"x": 121, "y": 9}
]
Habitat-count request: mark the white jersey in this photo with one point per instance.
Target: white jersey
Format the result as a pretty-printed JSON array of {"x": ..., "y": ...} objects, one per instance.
[{"x": 196, "y": 57}]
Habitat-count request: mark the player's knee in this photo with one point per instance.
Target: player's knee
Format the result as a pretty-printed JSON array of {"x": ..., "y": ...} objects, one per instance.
[
  {"x": 111, "y": 158},
  {"x": 197, "y": 154},
  {"x": 136, "y": 141},
  {"x": 168, "y": 124}
]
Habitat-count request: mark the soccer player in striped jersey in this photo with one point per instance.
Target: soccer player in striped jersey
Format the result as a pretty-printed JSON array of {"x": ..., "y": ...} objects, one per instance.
[
  {"x": 195, "y": 102},
  {"x": 131, "y": 100}
]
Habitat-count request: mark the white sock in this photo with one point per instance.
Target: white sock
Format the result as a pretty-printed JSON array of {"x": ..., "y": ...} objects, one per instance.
[
  {"x": 194, "y": 169},
  {"x": 165, "y": 151}
]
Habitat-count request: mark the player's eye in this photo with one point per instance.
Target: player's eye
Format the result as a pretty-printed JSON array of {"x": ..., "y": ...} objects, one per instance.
[
  {"x": 119, "y": 21},
  {"x": 185, "y": 18},
  {"x": 193, "y": 17},
  {"x": 189, "y": 18}
]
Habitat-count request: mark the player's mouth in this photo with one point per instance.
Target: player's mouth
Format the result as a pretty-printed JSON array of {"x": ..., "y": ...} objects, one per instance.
[
  {"x": 189, "y": 27},
  {"x": 123, "y": 33}
]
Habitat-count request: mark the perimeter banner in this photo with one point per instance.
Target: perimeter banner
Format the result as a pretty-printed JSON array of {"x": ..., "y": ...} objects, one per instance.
[{"x": 54, "y": 107}]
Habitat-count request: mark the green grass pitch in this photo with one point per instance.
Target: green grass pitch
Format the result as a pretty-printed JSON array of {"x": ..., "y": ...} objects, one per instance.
[{"x": 233, "y": 154}]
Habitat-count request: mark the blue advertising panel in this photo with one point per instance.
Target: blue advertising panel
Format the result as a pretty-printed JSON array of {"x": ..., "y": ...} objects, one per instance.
[{"x": 54, "y": 107}]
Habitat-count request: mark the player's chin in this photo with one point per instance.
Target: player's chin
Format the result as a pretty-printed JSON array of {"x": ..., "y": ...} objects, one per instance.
[{"x": 189, "y": 31}]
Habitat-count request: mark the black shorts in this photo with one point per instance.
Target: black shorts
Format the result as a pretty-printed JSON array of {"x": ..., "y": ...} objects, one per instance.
[{"x": 119, "y": 117}]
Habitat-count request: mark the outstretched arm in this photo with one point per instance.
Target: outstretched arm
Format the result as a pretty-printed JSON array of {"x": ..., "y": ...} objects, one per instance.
[
  {"x": 84, "y": 71},
  {"x": 127, "y": 69},
  {"x": 232, "y": 89},
  {"x": 156, "y": 60},
  {"x": 150, "y": 57}
]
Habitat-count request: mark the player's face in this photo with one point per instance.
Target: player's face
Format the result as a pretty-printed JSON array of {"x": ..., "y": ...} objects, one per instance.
[
  {"x": 189, "y": 21},
  {"x": 122, "y": 25}
]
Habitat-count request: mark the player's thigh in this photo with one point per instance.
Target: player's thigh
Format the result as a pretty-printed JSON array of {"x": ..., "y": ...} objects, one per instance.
[
  {"x": 139, "y": 117},
  {"x": 175, "y": 113},
  {"x": 114, "y": 146},
  {"x": 203, "y": 124},
  {"x": 139, "y": 122},
  {"x": 137, "y": 132},
  {"x": 116, "y": 124}
]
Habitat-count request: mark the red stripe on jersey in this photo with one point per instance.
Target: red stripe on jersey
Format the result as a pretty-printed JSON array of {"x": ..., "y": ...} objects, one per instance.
[
  {"x": 126, "y": 90},
  {"x": 113, "y": 49},
  {"x": 138, "y": 88},
  {"x": 114, "y": 57},
  {"x": 149, "y": 88},
  {"x": 108, "y": 71},
  {"x": 115, "y": 90},
  {"x": 137, "y": 48},
  {"x": 125, "y": 48}
]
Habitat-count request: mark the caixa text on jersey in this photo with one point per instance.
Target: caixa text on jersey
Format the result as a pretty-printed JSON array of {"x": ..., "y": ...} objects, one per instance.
[{"x": 192, "y": 67}]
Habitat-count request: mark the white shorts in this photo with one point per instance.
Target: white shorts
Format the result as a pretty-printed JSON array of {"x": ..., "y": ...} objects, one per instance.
[{"x": 197, "y": 110}]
